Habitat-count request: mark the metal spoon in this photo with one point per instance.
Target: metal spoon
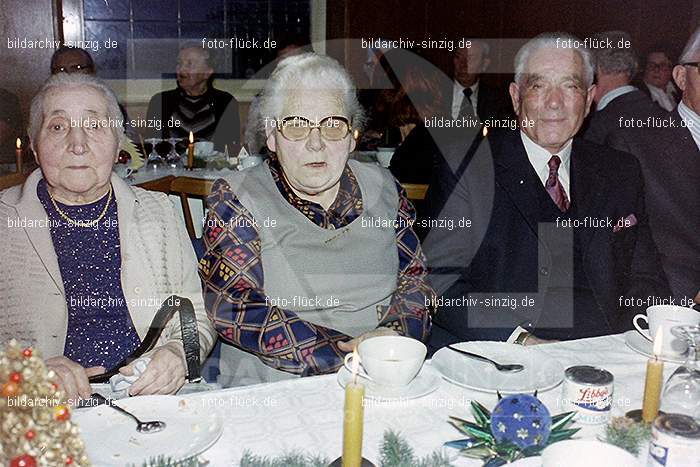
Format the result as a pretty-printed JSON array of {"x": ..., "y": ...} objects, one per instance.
[
  {"x": 141, "y": 427},
  {"x": 511, "y": 368}
]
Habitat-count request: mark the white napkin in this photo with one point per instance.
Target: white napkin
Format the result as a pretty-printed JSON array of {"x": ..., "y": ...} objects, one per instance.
[{"x": 120, "y": 383}]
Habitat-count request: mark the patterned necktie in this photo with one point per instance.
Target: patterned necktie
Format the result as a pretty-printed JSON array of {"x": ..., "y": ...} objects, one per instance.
[
  {"x": 553, "y": 185},
  {"x": 466, "y": 109}
]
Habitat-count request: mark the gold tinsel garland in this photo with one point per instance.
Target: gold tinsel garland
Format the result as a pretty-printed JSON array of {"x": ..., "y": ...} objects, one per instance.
[{"x": 35, "y": 425}]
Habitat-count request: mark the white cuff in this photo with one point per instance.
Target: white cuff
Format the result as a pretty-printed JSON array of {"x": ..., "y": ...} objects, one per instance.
[{"x": 514, "y": 335}]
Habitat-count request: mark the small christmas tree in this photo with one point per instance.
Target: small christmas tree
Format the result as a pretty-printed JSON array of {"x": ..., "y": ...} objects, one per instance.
[{"x": 35, "y": 426}]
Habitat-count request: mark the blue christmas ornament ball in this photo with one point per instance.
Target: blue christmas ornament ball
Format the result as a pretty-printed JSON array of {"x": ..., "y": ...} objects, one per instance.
[{"x": 522, "y": 420}]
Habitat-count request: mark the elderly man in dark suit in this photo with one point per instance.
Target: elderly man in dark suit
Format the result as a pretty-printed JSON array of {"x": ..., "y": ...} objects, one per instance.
[
  {"x": 614, "y": 96},
  {"x": 469, "y": 96},
  {"x": 557, "y": 244},
  {"x": 670, "y": 159}
]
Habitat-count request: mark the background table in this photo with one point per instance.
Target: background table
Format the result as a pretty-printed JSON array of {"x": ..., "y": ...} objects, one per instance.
[
  {"x": 306, "y": 414},
  {"x": 148, "y": 174}
]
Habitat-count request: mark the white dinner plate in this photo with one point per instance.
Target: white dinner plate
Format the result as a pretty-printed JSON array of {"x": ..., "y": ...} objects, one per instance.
[
  {"x": 427, "y": 381},
  {"x": 541, "y": 371},
  {"x": 639, "y": 344},
  {"x": 111, "y": 438}
]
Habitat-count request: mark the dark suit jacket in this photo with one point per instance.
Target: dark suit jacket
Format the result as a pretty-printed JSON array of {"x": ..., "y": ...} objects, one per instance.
[
  {"x": 635, "y": 104},
  {"x": 670, "y": 162},
  {"x": 502, "y": 256},
  {"x": 492, "y": 102},
  {"x": 645, "y": 89}
]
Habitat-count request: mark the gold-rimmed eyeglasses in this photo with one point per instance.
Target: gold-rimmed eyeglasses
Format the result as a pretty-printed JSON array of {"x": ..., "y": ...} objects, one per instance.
[
  {"x": 693, "y": 64},
  {"x": 296, "y": 128}
]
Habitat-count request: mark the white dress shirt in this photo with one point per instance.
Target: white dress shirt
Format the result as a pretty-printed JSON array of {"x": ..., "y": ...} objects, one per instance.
[
  {"x": 539, "y": 158},
  {"x": 458, "y": 96},
  {"x": 692, "y": 121},
  {"x": 663, "y": 97},
  {"x": 617, "y": 92}
]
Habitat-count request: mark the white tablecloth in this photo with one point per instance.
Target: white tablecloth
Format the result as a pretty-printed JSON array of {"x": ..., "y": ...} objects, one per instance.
[{"x": 306, "y": 414}]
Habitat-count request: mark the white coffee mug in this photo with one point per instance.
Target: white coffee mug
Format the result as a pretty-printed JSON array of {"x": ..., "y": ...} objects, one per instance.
[
  {"x": 667, "y": 317},
  {"x": 389, "y": 360}
]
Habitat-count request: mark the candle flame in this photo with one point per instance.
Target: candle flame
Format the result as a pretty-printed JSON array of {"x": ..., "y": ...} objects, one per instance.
[
  {"x": 658, "y": 341},
  {"x": 356, "y": 134},
  {"x": 191, "y": 138},
  {"x": 355, "y": 365},
  {"x": 485, "y": 131},
  {"x": 18, "y": 143}
]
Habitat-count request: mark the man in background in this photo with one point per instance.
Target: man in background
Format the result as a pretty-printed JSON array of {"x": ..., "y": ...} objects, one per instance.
[
  {"x": 670, "y": 161},
  {"x": 656, "y": 79},
  {"x": 72, "y": 60},
  {"x": 615, "y": 98},
  {"x": 210, "y": 114},
  {"x": 470, "y": 97}
]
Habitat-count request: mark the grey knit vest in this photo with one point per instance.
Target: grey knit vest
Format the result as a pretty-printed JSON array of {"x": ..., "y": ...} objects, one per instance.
[{"x": 332, "y": 278}]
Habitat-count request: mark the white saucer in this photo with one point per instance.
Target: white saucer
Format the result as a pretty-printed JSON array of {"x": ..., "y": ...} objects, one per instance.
[
  {"x": 639, "y": 344},
  {"x": 541, "y": 373},
  {"x": 427, "y": 381}
]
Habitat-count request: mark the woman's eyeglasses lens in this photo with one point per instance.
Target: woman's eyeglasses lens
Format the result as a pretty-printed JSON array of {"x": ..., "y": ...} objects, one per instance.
[{"x": 298, "y": 128}]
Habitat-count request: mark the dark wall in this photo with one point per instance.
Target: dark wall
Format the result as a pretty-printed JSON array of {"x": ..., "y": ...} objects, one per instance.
[{"x": 649, "y": 22}]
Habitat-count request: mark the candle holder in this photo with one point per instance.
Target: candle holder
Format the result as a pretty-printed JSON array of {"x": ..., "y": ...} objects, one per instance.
[
  {"x": 636, "y": 415},
  {"x": 339, "y": 463}
]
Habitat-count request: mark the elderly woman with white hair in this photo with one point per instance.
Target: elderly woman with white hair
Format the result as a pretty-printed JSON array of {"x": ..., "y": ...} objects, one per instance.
[
  {"x": 310, "y": 253},
  {"x": 89, "y": 259}
]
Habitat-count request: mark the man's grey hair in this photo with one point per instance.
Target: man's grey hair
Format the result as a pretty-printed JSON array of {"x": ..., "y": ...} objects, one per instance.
[
  {"x": 209, "y": 57},
  {"x": 74, "y": 80},
  {"x": 485, "y": 47},
  {"x": 303, "y": 72},
  {"x": 553, "y": 40},
  {"x": 614, "y": 60},
  {"x": 691, "y": 52}
]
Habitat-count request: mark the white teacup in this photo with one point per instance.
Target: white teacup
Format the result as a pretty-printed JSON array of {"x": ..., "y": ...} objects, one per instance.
[
  {"x": 667, "y": 316},
  {"x": 250, "y": 161},
  {"x": 203, "y": 148},
  {"x": 389, "y": 360}
]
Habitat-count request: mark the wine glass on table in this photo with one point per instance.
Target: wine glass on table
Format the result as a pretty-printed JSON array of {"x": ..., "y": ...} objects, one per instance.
[
  {"x": 154, "y": 159},
  {"x": 682, "y": 390},
  {"x": 173, "y": 158}
]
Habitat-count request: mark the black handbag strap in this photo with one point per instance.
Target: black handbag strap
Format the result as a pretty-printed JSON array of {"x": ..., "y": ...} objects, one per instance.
[{"x": 190, "y": 338}]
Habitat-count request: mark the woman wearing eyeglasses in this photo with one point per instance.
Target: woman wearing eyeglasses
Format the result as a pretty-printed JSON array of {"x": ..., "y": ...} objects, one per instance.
[{"x": 311, "y": 252}]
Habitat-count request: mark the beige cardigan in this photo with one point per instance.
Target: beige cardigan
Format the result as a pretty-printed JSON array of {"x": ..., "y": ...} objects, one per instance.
[{"x": 157, "y": 261}]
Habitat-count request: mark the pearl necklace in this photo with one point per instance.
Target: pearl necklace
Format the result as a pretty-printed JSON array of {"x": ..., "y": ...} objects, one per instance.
[{"x": 91, "y": 223}]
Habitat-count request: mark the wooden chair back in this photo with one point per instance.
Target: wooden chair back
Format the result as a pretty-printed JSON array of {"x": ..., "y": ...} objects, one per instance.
[
  {"x": 186, "y": 187},
  {"x": 160, "y": 184},
  {"x": 415, "y": 191},
  {"x": 12, "y": 179}
]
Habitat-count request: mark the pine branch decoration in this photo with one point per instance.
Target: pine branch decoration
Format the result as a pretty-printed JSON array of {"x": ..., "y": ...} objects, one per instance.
[{"x": 627, "y": 434}]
